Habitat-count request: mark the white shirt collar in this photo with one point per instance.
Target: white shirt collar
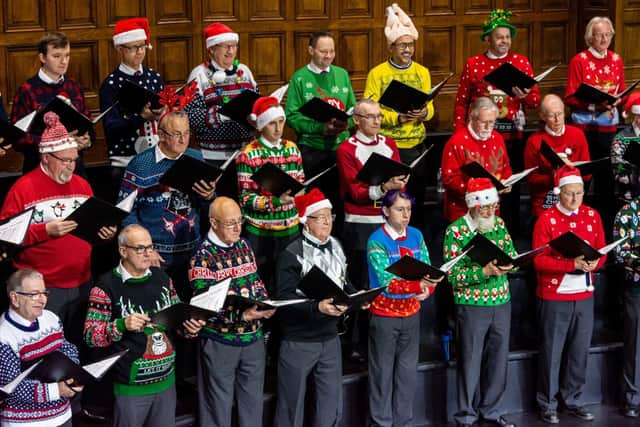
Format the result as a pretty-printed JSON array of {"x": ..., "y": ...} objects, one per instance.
[
  {"x": 392, "y": 232},
  {"x": 48, "y": 80},
  {"x": 317, "y": 70},
  {"x": 470, "y": 222},
  {"x": 126, "y": 275},
  {"x": 636, "y": 129},
  {"x": 16, "y": 317},
  {"x": 161, "y": 156},
  {"x": 271, "y": 144},
  {"x": 475, "y": 135},
  {"x": 313, "y": 238},
  {"x": 598, "y": 54},
  {"x": 565, "y": 211},
  {"x": 361, "y": 137},
  {"x": 552, "y": 133},
  {"x": 492, "y": 55},
  {"x": 128, "y": 70},
  {"x": 211, "y": 235}
]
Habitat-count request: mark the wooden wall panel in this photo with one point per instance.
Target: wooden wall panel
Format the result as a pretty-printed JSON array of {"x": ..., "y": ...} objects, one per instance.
[
  {"x": 173, "y": 11},
  {"x": 76, "y": 14},
  {"x": 355, "y": 9},
  {"x": 21, "y": 64},
  {"x": 23, "y": 15},
  {"x": 222, "y": 10},
  {"x": 439, "y": 7},
  {"x": 177, "y": 59},
  {"x": 265, "y": 51},
  {"x": 349, "y": 45},
  {"x": 311, "y": 9},
  {"x": 119, "y": 9},
  {"x": 265, "y": 10}
]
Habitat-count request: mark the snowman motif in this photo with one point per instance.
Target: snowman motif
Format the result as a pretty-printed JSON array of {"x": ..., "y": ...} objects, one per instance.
[{"x": 158, "y": 344}]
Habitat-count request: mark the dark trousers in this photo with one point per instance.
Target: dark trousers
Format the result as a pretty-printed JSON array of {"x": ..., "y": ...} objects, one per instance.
[
  {"x": 483, "y": 352},
  {"x": 394, "y": 344},
  {"x": 565, "y": 329},
  {"x": 631, "y": 337},
  {"x": 151, "y": 410},
  {"x": 322, "y": 361}
]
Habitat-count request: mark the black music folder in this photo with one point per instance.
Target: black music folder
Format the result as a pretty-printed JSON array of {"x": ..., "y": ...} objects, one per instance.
[
  {"x": 593, "y": 95},
  {"x": 173, "y": 317},
  {"x": 132, "y": 98},
  {"x": 7, "y": 389},
  {"x": 482, "y": 251},
  {"x": 410, "y": 268},
  {"x": 10, "y": 133},
  {"x": 401, "y": 97},
  {"x": 475, "y": 170},
  {"x": 379, "y": 169},
  {"x": 239, "y": 108},
  {"x": 507, "y": 76},
  {"x": 318, "y": 286},
  {"x": 571, "y": 246},
  {"x": 584, "y": 166},
  {"x": 92, "y": 215},
  {"x": 322, "y": 111},
  {"x": 70, "y": 117},
  {"x": 55, "y": 367},
  {"x": 276, "y": 181},
  {"x": 188, "y": 170}
]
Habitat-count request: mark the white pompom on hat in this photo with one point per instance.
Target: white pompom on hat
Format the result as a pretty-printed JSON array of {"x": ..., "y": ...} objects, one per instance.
[
  {"x": 55, "y": 137},
  {"x": 567, "y": 174}
]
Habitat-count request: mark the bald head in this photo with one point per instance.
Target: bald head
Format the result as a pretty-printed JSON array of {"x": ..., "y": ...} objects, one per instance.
[
  {"x": 226, "y": 219},
  {"x": 552, "y": 112}
]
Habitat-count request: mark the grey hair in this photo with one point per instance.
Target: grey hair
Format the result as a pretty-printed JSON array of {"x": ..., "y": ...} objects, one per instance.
[
  {"x": 549, "y": 96},
  {"x": 483, "y": 103},
  {"x": 362, "y": 101},
  {"x": 15, "y": 281},
  {"x": 123, "y": 236},
  {"x": 588, "y": 32}
]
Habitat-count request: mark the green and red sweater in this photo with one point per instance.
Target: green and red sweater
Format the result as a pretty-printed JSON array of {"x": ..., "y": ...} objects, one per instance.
[
  {"x": 264, "y": 213},
  {"x": 470, "y": 285}
]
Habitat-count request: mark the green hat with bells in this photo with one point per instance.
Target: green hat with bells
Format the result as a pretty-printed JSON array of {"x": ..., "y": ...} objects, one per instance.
[{"x": 497, "y": 18}]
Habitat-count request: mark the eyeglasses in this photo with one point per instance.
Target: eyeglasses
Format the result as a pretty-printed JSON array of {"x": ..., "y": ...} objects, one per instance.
[
  {"x": 603, "y": 36},
  {"x": 228, "y": 46},
  {"x": 177, "y": 135},
  {"x": 485, "y": 123},
  {"x": 140, "y": 249},
  {"x": 322, "y": 218},
  {"x": 65, "y": 160},
  {"x": 230, "y": 224},
  {"x": 403, "y": 46},
  {"x": 137, "y": 48},
  {"x": 487, "y": 208},
  {"x": 572, "y": 194},
  {"x": 34, "y": 295},
  {"x": 370, "y": 116}
]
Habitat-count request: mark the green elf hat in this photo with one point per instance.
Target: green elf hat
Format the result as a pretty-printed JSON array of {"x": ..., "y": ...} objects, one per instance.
[{"x": 498, "y": 18}]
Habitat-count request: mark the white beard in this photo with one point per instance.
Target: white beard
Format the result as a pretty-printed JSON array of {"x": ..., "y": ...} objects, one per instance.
[{"x": 484, "y": 225}]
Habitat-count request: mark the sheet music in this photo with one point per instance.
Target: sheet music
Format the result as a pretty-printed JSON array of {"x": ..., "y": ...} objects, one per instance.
[
  {"x": 99, "y": 368},
  {"x": 101, "y": 115},
  {"x": 439, "y": 85},
  {"x": 544, "y": 74},
  {"x": 284, "y": 302},
  {"x": 449, "y": 264},
  {"x": 10, "y": 387},
  {"x": 24, "y": 123},
  {"x": 607, "y": 248},
  {"x": 518, "y": 176},
  {"x": 14, "y": 230},
  {"x": 313, "y": 178},
  {"x": 573, "y": 283},
  {"x": 126, "y": 204},
  {"x": 417, "y": 159},
  {"x": 229, "y": 160},
  {"x": 213, "y": 298}
]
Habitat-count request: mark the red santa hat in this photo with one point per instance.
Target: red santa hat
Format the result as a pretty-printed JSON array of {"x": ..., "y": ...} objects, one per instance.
[
  {"x": 217, "y": 33},
  {"x": 567, "y": 174},
  {"x": 632, "y": 105},
  {"x": 398, "y": 24},
  {"x": 55, "y": 137},
  {"x": 265, "y": 110},
  {"x": 309, "y": 203},
  {"x": 480, "y": 192},
  {"x": 131, "y": 30}
]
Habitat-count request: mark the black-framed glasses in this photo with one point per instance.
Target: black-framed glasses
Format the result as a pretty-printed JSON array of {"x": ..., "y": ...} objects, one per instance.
[
  {"x": 370, "y": 116},
  {"x": 177, "y": 135},
  {"x": 324, "y": 218},
  {"x": 403, "y": 46},
  {"x": 140, "y": 249},
  {"x": 34, "y": 295},
  {"x": 65, "y": 160},
  {"x": 137, "y": 48},
  {"x": 230, "y": 224}
]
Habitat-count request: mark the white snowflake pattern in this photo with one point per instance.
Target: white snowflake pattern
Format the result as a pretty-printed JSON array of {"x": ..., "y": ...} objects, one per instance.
[
  {"x": 308, "y": 96},
  {"x": 592, "y": 65},
  {"x": 308, "y": 85},
  {"x": 335, "y": 89},
  {"x": 607, "y": 70}
]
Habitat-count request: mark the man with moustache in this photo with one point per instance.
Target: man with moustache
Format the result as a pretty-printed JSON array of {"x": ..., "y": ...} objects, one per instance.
[
  {"x": 566, "y": 140},
  {"x": 482, "y": 308},
  {"x": 479, "y": 142},
  {"x": 565, "y": 299},
  {"x": 28, "y": 332}
]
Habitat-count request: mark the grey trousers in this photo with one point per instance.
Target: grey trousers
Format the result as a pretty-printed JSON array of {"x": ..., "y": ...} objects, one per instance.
[
  {"x": 482, "y": 356},
  {"x": 225, "y": 371},
  {"x": 631, "y": 337},
  {"x": 566, "y": 328},
  {"x": 298, "y": 360},
  {"x": 146, "y": 411},
  {"x": 393, "y": 360}
]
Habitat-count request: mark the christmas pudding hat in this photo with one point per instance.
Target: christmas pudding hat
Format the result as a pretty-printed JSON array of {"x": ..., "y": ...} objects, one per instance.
[
  {"x": 497, "y": 18},
  {"x": 309, "y": 203},
  {"x": 398, "y": 24},
  {"x": 217, "y": 33},
  {"x": 55, "y": 137},
  {"x": 633, "y": 105},
  {"x": 268, "y": 108},
  {"x": 132, "y": 30},
  {"x": 567, "y": 174},
  {"x": 480, "y": 192}
]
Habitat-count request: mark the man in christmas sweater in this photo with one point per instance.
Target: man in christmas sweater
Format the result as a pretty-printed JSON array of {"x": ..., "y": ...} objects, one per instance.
[
  {"x": 54, "y": 192},
  {"x": 602, "y": 68},
  {"x": 28, "y": 332},
  {"x": 118, "y": 317},
  {"x": 272, "y": 219},
  {"x": 128, "y": 135},
  {"x": 232, "y": 351},
  {"x": 50, "y": 81},
  {"x": 362, "y": 201},
  {"x": 627, "y": 224},
  {"x": 482, "y": 308},
  {"x": 565, "y": 298},
  {"x": 565, "y": 140},
  {"x": 394, "y": 327},
  {"x": 171, "y": 216},
  {"x": 625, "y": 173},
  {"x": 476, "y": 142},
  {"x": 220, "y": 78}
]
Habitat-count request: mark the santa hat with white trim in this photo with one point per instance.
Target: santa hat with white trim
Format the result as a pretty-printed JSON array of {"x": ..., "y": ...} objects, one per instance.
[
  {"x": 265, "y": 110},
  {"x": 480, "y": 192},
  {"x": 632, "y": 105},
  {"x": 132, "y": 30},
  {"x": 217, "y": 33},
  {"x": 55, "y": 137},
  {"x": 567, "y": 174},
  {"x": 309, "y": 203}
]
